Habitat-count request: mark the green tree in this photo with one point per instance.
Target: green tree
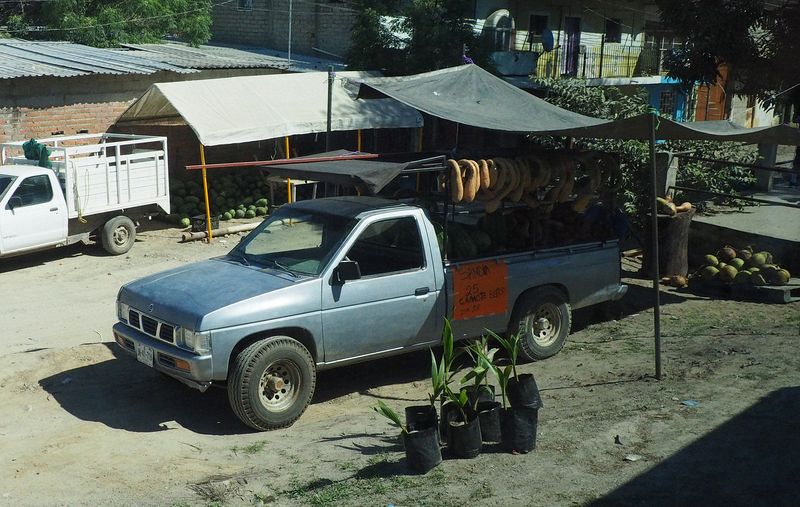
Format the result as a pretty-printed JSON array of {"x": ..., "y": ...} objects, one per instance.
[
  {"x": 108, "y": 23},
  {"x": 426, "y": 35},
  {"x": 633, "y": 196},
  {"x": 755, "y": 39}
]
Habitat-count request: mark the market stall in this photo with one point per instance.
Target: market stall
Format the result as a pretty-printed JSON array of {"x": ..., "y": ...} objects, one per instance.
[{"x": 469, "y": 95}]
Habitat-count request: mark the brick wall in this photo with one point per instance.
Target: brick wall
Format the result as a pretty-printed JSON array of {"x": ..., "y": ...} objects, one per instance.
[
  {"x": 41, "y": 106},
  {"x": 315, "y": 24}
]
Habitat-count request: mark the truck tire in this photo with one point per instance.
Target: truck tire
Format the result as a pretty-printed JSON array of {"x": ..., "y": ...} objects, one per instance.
[
  {"x": 118, "y": 235},
  {"x": 543, "y": 317},
  {"x": 271, "y": 383}
]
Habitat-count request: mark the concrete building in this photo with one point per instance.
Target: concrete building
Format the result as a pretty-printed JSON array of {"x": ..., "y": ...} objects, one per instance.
[{"x": 318, "y": 27}]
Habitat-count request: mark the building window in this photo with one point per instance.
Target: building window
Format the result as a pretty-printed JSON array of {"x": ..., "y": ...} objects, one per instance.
[
  {"x": 667, "y": 103},
  {"x": 245, "y": 5},
  {"x": 537, "y": 26},
  {"x": 613, "y": 30}
]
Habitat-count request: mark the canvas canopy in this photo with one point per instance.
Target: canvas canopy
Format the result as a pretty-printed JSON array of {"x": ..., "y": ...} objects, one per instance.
[
  {"x": 371, "y": 175},
  {"x": 253, "y": 108},
  {"x": 472, "y": 96}
]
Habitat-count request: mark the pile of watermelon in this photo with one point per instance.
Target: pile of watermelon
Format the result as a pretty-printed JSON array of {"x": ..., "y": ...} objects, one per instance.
[{"x": 231, "y": 195}]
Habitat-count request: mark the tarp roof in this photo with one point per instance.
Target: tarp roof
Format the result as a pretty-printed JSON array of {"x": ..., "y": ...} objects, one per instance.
[
  {"x": 472, "y": 96},
  {"x": 370, "y": 175},
  {"x": 253, "y": 108}
]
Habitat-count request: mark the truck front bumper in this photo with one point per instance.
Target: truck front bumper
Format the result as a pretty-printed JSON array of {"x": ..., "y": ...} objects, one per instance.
[{"x": 193, "y": 370}]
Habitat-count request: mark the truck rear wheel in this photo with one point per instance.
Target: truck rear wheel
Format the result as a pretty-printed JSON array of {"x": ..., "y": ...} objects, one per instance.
[
  {"x": 543, "y": 318},
  {"x": 118, "y": 235},
  {"x": 271, "y": 383}
]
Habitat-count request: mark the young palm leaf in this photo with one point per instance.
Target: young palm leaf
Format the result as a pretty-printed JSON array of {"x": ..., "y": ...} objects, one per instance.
[{"x": 390, "y": 414}]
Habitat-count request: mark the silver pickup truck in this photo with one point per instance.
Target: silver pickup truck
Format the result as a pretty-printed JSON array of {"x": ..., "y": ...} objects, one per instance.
[{"x": 329, "y": 282}]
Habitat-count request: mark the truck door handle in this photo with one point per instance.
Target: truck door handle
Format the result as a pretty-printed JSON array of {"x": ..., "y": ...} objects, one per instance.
[
  {"x": 53, "y": 209},
  {"x": 422, "y": 291}
]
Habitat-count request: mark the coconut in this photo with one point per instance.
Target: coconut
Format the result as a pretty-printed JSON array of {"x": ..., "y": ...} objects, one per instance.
[
  {"x": 783, "y": 277},
  {"x": 737, "y": 263},
  {"x": 678, "y": 281},
  {"x": 757, "y": 279},
  {"x": 727, "y": 254},
  {"x": 743, "y": 277},
  {"x": 711, "y": 260},
  {"x": 709, "y": 272},
  {"x": 758, "y": 260},
  {"x": 728, "y": 273},
  {"x": 767, "y": 257},
  {"x": 745, "y": 254}
]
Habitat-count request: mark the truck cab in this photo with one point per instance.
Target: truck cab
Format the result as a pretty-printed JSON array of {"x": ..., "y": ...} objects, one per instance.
[{"x": 33, "y": 212}]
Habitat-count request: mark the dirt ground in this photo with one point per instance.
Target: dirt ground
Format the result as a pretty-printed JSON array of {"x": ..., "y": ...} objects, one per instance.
[{"x": 82, "y": 425}]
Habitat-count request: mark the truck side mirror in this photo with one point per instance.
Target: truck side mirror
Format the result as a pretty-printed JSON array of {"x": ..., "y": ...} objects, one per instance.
[
  {"x": 14, "y": 202},
  {"x": 346, "y": 270}
]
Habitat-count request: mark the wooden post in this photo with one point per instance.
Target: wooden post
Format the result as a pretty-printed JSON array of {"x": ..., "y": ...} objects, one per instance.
[
  {"x": 358, "y": 140},
  {"x": 205, "y": 192}
]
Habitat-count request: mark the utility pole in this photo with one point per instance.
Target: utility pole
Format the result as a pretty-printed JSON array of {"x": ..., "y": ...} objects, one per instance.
[{"x": 289, "y": 58}]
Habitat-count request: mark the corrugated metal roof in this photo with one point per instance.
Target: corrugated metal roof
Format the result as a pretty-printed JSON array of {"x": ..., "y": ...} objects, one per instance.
[
  {"x": 20, "y": 58},
  {"x": 205, "y": 57}
]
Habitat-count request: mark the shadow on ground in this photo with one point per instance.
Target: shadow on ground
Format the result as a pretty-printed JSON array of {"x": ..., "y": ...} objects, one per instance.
[
  {"x": 124, "y": 394},
  {"x": 636, "y": 300},
  {"x": 752, "y": 459}
]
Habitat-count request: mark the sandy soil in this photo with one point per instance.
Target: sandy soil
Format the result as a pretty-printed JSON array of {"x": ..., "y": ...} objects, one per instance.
[{"x": 81, "y": 426}]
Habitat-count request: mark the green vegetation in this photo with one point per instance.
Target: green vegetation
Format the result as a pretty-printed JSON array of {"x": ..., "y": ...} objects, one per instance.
[
  {"x": 106, "y": 23},
  {"x": 424, "y": 35},
  {"x": 634, "y": 194}
]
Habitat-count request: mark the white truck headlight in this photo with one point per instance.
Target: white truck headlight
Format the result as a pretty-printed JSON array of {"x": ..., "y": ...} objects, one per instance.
[
  {"x": 196, "y": 341},
  {"x": 123, "y": 311}
]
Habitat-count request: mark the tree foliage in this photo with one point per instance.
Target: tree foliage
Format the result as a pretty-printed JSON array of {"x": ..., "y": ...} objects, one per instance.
[
  {"x": 108, "y": 23},
  {"x": 634, "y": 194},
  {"x": 424, "y": 35},
  {"x": 756, "y": 40}
]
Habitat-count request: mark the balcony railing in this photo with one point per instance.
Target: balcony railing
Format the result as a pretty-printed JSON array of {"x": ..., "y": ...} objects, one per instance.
[{"x": 606, "y": 61}]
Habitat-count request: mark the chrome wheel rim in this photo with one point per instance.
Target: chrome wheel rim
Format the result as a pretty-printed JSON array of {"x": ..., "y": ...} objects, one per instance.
[
  {"x": 121, "y": 235},
  {"x": 278, "y": 387},
  {"x": 545, "y": 324}
]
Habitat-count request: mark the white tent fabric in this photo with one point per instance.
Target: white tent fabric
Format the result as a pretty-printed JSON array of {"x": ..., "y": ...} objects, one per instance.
[{"x": 253, "y": 108}]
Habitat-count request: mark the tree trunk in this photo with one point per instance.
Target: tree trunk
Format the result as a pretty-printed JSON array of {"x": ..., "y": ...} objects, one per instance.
[{"x": 673, "y": 240}]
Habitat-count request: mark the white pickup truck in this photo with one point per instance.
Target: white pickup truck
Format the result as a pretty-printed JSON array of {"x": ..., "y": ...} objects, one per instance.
[{"x": 98, "y": 185}]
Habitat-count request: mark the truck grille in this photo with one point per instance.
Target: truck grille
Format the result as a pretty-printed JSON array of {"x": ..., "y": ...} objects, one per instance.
[{"x": 152, "y": 327}]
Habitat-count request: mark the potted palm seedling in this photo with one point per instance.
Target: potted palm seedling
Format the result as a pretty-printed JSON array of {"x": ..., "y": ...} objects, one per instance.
[{"x": 422, "y": 446}]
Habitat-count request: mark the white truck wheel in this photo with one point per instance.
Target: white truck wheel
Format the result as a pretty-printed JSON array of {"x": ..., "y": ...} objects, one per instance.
[{"x": 118, "y": 235}]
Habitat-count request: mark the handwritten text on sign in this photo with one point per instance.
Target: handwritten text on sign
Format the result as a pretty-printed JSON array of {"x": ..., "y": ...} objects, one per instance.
[{"x": 481, "y": 289}]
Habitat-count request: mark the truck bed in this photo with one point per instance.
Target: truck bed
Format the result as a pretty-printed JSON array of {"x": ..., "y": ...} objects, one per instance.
[
  {"x": 104, "y": 172},
  {"x": 587, "y": 273}
]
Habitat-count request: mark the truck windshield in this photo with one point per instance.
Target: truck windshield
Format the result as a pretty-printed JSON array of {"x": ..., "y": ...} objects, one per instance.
[
  {"x": 5, "y": 183},
  {"x": 294, "y": 240}
]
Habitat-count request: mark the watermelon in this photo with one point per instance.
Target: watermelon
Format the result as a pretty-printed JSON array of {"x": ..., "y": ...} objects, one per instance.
[
  {"x": 185, "y": 222},
  {"x": 239, "y": 213},
  {"x": 225, "y": 216},
  {"x": 250, "y": 214}
]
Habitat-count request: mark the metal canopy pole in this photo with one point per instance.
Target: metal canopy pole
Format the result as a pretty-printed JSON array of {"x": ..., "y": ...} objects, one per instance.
[
  {"x": 331, "y": 77},
  {"x": 205, "y": 192},
  {"x": 654, "y": 261}
]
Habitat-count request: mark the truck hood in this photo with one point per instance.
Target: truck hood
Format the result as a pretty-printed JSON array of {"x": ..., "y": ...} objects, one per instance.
[{"x": 220, "y": 293}]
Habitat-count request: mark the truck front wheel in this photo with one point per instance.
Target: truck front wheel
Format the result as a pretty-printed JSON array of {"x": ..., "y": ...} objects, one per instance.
[
  {"x": 118, "y": 235},
  {"x": 271, "y": 383},
  {"x": 543, "y": 318}
]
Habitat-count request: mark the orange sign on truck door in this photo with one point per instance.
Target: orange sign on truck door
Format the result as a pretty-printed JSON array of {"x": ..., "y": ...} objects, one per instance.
[{"x": 481, "y": 289}]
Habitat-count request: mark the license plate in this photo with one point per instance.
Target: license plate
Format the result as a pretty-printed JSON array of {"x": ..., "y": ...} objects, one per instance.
[{"x": 144, "y": 354}]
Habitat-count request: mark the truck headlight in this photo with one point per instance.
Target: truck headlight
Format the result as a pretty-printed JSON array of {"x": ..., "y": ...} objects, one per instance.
[
  {"x": 197, "y": 341},
  {"x": 123, "y": 311}
]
